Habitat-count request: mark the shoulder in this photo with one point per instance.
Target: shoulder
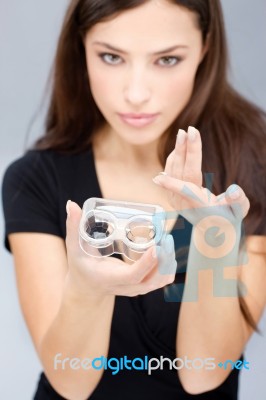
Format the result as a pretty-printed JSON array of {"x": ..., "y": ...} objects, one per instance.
[
  {"x": 46, "y": 165},
  {"x": 37, "y": 185},
  {"x": 30, "y": 162},
  {"x": 34, "y": 191},
  {"x": 30, "y": 179},
  {"x": 49, "y": 158},
  {"x": 31, "y": 173}
]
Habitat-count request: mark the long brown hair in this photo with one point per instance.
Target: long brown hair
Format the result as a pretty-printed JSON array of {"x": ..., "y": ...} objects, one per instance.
[{"x": 233, "y": 130}]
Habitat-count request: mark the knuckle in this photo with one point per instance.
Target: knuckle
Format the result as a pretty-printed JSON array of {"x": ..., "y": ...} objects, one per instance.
[
  {"x": 164, "y": 282},
  {"x": 171, "y": 279},
  {"x": 151, "y": 287},
  {"x": 133, "y": 294},
  {"x": 143, "y": 289}
]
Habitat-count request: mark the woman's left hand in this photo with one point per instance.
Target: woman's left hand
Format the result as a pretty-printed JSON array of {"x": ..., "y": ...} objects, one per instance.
[{"x": 182, "y": 178}]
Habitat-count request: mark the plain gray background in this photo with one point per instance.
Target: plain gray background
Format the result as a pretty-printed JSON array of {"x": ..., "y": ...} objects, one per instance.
[{"x": 28, "y": 33}]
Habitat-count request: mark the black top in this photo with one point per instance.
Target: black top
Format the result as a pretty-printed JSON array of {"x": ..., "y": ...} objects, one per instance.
[{"x": 36, "y": 188}]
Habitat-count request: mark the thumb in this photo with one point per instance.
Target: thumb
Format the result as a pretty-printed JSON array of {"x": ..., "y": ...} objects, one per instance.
[
  {"x": 238, "y": 201},
  {"x": 74, "y": 213}
]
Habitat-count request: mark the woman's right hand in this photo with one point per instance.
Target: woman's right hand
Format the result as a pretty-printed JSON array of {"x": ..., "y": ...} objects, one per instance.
[{"x": 110, "y": 276}]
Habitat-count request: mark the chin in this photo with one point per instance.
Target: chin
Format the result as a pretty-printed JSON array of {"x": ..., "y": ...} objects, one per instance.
[
  {"x": 141, "y": 141},
  {"x": 140, "y": 137}
]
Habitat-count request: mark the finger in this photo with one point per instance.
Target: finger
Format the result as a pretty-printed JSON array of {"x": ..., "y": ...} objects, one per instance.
[
  {"x": 155, "y": 280},
  {"x": 74, "y": 213},
  {"x": 166, "y": 256},
  {"x": 187, "y": 190},
  {"x": 179, "y": 155},
  {"x": 137, "y": 271},
  {"x": 175, "y": 161},
  {"x": 193, "y": 164},
  {"x": 164, "y": 271},
  {"x": 238, "y": 201},
  {"x": 169, "y": 163}
]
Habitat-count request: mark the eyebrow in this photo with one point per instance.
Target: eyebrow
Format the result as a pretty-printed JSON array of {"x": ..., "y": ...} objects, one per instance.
[{"x": 169, "y": 49}]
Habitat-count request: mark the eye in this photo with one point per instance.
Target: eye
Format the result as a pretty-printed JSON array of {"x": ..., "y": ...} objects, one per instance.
[
  {"x": 111, "y": 59},
  {"x": 169, "y": 61}
]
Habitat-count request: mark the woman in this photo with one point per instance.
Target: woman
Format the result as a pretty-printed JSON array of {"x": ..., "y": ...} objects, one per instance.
[{"x": 128, "y": 76}]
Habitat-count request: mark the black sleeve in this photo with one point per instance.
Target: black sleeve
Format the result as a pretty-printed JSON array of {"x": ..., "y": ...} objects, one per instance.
[{"x": 29, "y": 195}]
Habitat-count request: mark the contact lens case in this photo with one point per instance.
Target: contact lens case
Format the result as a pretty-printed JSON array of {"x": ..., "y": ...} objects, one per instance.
[{"x": 110, "y": 226}]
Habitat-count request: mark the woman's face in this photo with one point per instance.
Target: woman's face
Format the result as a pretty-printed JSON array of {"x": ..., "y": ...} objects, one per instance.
[{"x": 142, "y": 66}]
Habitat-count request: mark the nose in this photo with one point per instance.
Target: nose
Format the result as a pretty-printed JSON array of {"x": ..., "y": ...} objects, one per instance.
[{"x": 136, "y": 90}]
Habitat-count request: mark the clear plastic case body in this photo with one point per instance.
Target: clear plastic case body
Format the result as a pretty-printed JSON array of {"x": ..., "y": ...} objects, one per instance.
[{"x": 109, "y": 226}]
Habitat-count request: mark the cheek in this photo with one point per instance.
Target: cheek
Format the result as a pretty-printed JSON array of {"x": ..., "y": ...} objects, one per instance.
[
  {"x": 179, "y": 92},
  {"x": 98, "y": 88},
  {"x": 102, "y": 87},
  {"x": 181, "y": 88}
]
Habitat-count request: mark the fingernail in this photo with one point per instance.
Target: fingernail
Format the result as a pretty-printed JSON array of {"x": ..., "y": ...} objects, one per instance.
[
  {"x": 68, "y": 207},
  {"x": 192, "y": 134},
  {"x": 181, "y": 136},
  {"x": 157, "y": 180},
  {"x": 234, "y": 192}
]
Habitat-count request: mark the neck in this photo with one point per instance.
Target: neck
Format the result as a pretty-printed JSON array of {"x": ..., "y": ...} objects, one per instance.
[{"x": 110, "y": 146}]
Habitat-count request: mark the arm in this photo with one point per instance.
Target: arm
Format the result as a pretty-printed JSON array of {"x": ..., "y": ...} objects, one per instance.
[
  {"x": 211, "y": 326},
  {"x": 215, "y": 326},
  {"x": 59, "y": 317},
  {"x": 68, "y": 299}
]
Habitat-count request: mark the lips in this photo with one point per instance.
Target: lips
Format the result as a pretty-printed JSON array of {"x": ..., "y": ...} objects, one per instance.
[{"x": 138, "y": 120}]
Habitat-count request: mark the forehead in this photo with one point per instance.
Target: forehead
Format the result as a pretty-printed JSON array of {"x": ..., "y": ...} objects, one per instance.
[{"x": 154, "y": 23}]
